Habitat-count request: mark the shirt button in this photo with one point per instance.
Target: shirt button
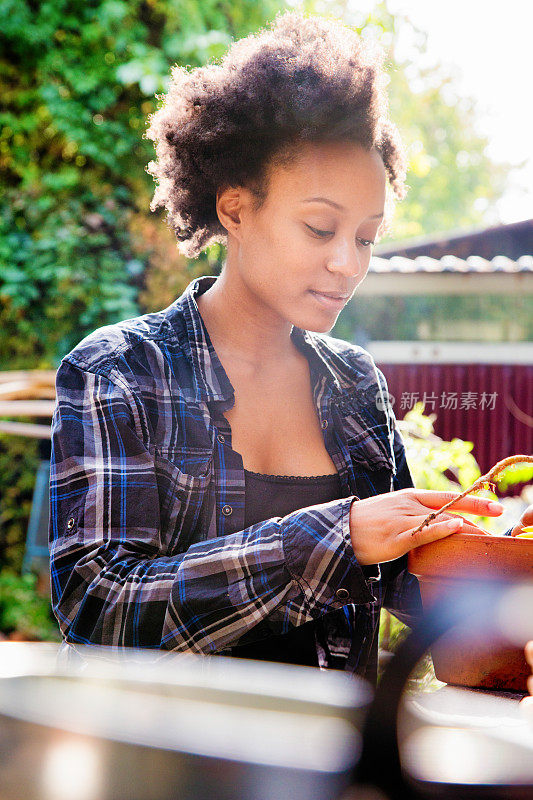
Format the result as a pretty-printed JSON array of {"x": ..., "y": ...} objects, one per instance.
[
  {"x": 342, "y": 594},
  {"x": 227, "y": 510},
  {"x": 221, "y": 438},
  {"x": 324, "y": 424},
  {"x": 70, "y": 523}
]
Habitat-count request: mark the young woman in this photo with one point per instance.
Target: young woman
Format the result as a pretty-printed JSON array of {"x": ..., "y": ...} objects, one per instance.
[{"x": 227, "y": 478}]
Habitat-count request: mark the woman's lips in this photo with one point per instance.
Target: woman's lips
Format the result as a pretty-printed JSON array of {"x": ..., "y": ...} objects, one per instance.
[{"x": 327, "y": 301}]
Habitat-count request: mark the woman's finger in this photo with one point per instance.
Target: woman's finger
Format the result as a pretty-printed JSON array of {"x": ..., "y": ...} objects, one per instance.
[
  {"x": 474, "y": 505},
  {"x": 467, "y": 526},
  {"x": 529, "y": 653},
  {"x": 525, "y": 520},
  {"x": 471, "y": 527},
  {"x": 526, "y": 707},
  {"x": 527, "y": 516},
  {"x": 433, "y": 531}
]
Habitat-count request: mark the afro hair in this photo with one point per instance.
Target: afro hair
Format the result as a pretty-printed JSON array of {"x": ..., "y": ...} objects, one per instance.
[{"x": 302, "y": 79}]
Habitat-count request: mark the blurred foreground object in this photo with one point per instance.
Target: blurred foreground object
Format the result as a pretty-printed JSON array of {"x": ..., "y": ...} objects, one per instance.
[
  {"x": 93, "y": 722},
  {"x": 452, "y": 743},
  {"x": 138, "y": 724}
]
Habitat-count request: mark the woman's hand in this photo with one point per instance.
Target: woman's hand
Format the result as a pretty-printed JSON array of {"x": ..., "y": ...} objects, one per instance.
[
  {"x": 381, "y": 527},
  {"x": 527, "y": 703},
  {"x": 529, "y": 658},
  {"x": 525, "y": 520}
]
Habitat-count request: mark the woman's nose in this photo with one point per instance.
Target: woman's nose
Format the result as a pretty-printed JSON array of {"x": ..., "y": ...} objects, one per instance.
[{"x": 347, "y": 260}]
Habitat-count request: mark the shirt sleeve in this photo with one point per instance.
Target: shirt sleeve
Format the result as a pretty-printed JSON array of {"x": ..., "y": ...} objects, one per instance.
[{"x": 114, "y": 579}]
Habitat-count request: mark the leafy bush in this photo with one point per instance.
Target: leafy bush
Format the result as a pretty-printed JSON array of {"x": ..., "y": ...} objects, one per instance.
[
  {"x": 66, "y": 274},
  {"x": 19, "y": 459},
  {"x": 24, "y": 609},
  {"x": 450, "y": 466}
]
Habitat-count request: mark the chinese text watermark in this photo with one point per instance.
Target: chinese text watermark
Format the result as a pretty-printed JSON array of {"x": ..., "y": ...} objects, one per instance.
[{"x": 451, "y": 401}]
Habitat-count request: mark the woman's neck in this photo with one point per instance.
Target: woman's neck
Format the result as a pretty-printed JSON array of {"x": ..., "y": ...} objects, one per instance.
[{"x": 242, "y": 330}]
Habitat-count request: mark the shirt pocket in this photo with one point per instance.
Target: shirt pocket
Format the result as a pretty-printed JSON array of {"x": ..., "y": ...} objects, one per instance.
[{"x": 183, "y": 479}]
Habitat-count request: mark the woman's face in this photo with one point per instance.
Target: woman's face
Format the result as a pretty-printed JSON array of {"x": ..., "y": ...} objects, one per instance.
[{"x": 298, "y": 248}]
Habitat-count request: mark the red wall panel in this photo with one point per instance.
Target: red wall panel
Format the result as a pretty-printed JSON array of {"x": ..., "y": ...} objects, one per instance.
[{"x": 499, "y": 425}]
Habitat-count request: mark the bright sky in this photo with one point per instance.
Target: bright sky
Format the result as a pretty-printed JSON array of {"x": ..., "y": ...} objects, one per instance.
[{"x": 488, "y": 45}]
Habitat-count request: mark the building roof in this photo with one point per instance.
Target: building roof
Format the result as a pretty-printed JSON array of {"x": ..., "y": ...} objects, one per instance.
[
  {"x": 452, "y": 264},
  {"x": 513, "y": 240}
]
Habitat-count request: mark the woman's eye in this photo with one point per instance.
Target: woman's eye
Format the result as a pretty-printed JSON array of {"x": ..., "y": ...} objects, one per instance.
[
  {"x": 318, "y": 232},
  {"x": 323, "y": 234}
]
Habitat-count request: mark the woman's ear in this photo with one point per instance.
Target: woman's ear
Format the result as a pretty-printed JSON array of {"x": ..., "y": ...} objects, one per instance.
[{"x": 231, "y": 202}]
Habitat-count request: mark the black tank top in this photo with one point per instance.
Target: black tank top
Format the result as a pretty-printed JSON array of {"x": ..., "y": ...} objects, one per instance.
[{"x": 274, "y": 496}]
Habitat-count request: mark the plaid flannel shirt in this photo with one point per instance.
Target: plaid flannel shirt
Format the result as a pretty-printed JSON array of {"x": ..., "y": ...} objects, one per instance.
[{"x": 147, "y": 541}]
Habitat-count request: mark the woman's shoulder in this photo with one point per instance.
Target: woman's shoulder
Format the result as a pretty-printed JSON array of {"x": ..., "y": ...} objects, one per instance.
[
  {"x": 354, "y": 367},
  {"x": 353, "y": 356},
  {"x": 132, "y": 341}
]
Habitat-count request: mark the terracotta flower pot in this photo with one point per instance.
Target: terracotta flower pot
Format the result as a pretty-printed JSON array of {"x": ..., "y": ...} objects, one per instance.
[{"x": 476, "y": 658}]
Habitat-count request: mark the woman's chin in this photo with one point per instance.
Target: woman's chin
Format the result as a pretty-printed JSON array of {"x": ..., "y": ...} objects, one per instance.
[
  {"x": 317, "y": 325},
  {"x": 323, "y": 329},
  {"x": 316, "y": 317}
]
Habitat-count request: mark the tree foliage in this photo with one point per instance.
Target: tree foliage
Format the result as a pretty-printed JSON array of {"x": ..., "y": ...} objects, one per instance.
[{"x": 453, "y": 181}]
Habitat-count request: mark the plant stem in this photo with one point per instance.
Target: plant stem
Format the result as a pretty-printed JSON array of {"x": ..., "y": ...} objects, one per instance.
[{"x": 483, "y": 482}]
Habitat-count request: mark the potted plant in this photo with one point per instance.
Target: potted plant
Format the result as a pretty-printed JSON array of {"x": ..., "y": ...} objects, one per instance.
[{"x": 481, "y": 657}]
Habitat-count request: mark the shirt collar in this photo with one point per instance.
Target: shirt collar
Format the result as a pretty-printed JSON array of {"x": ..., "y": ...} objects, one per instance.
[{"x": 211, "y": 379}]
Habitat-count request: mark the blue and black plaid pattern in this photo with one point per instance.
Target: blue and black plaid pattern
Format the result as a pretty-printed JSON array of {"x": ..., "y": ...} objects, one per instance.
[{"x": 147, "y": 540}]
